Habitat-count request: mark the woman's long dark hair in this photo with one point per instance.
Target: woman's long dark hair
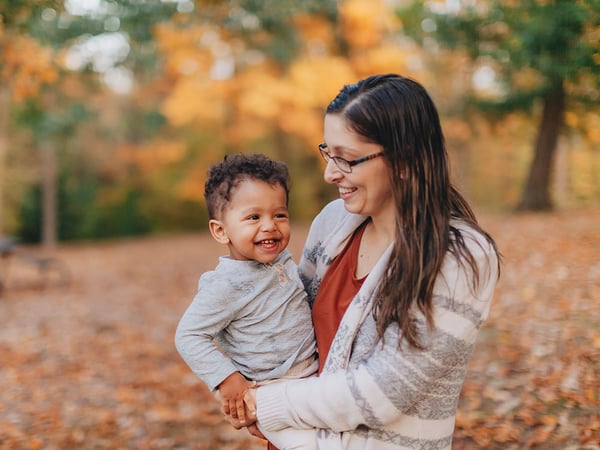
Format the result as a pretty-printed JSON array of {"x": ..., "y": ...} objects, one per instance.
[{"x": 398, "y": 114}]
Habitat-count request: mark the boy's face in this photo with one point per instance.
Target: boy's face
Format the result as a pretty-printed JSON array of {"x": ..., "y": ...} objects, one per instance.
[{"x": 255, "y": 224}]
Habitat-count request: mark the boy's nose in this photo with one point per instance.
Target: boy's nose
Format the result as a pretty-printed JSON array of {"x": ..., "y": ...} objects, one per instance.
[{"x": 268, "y": 224}]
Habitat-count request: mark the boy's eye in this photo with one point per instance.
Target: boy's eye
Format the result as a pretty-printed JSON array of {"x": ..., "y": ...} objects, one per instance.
[
  {"x": 253, "y": 217},
  {"x": 281, "y": 216}
]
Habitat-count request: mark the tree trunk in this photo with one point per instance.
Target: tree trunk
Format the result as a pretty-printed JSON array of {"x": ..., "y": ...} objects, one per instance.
[
  {"x": 49, "y": 207},
  {"x": 536, "y": 194},
  {"x": 4, "y": 105}
]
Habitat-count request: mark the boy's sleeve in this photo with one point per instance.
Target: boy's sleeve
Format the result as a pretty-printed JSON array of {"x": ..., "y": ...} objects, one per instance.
[{"x": 203, "y": 320}]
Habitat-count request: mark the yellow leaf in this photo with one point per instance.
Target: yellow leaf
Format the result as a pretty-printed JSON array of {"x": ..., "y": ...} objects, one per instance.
[
  {"x": 365, "y": 21},
  {"x": 195, "y": 101}
]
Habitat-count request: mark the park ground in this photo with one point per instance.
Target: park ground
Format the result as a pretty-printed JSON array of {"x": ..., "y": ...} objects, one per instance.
[{"x": 90, "y": 363}]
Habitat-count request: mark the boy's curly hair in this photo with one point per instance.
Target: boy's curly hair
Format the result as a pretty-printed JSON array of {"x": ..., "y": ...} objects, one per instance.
[{"x": 226, "y": 175}]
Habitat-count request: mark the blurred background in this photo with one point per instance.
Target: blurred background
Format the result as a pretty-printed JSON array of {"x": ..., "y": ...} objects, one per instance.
[{"x": 112, "y": 110}]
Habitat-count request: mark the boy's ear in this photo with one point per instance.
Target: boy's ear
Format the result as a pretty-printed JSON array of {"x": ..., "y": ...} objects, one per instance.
[{"x": 218, "y": 231}]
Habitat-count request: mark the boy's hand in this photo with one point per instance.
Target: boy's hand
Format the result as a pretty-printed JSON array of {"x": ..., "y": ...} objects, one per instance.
[{"x": 232, "y": 390}]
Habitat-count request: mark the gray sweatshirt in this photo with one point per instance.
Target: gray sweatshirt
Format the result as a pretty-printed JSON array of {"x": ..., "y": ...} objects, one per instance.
[{"x": 248, "y": 317}]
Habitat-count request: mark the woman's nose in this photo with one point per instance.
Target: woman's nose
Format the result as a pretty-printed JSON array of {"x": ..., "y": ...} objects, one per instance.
[{"x": 332, "y": 173}]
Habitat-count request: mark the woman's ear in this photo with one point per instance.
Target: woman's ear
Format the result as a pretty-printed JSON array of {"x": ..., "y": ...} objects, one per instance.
[{"x": 218, "y": 231}]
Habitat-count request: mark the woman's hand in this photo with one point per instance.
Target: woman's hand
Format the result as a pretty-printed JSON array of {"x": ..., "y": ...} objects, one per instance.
[
  {"x": 249, "y": 420},
  {"x": 237, "y": 423},
  {"x": 242, "y": 413},
  {"x": 231, "y": 394},
  {"x": 254, "y": 431},
  {"x": 250, "y": 401}
]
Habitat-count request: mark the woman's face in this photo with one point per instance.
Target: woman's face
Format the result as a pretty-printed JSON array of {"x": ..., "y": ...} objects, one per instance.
[{"x": 367, "y": 189}]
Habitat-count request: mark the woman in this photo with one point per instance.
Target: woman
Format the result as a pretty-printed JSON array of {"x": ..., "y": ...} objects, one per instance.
[{"x": 400, "y": 277}]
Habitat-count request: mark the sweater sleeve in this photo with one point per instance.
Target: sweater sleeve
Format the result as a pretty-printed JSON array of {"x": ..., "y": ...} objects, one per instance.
[
  {"x": 203, "y": 320},
  {"x": 391, "y": 381}
]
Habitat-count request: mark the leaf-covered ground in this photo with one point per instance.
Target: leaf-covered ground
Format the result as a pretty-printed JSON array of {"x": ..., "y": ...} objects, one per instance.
[{"x": 91, "y": 365}]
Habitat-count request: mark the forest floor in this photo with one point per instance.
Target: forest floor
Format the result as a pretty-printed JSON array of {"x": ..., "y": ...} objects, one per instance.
[{"x": 91, "y": 364}]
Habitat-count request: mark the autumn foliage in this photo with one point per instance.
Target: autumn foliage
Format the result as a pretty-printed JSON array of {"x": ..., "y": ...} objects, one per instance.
[{"x": 203, "y": 79}]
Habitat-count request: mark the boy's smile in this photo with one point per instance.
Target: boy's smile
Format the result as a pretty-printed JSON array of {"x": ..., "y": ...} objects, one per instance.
[{"x": 255, "y": 224}]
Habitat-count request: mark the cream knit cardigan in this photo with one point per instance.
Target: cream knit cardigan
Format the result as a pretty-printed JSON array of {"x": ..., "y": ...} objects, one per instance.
[{"x": 371, "y": 394}]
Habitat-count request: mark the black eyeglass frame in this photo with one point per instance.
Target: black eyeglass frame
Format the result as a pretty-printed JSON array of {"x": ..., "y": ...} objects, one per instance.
[{"x": 337, "y": 159}]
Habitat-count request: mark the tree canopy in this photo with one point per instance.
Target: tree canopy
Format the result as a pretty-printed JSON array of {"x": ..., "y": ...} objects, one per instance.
[
  {"x": 533, "y": 53},
  {"x": 132, "y": 100}
]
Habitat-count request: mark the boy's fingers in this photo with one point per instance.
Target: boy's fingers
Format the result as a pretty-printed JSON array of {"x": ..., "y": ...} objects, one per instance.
[
  {"x": 232, "y": 409},
  {"x": 241, "y": 411},
  {"x": 225, "y": 408}
]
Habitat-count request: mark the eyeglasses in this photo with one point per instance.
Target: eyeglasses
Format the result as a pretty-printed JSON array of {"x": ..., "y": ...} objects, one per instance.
[{"x": 343, "y": 164}]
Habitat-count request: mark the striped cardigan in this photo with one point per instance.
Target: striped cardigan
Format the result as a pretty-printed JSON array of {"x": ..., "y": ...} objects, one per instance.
[{"x": 371, "y": 394}]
